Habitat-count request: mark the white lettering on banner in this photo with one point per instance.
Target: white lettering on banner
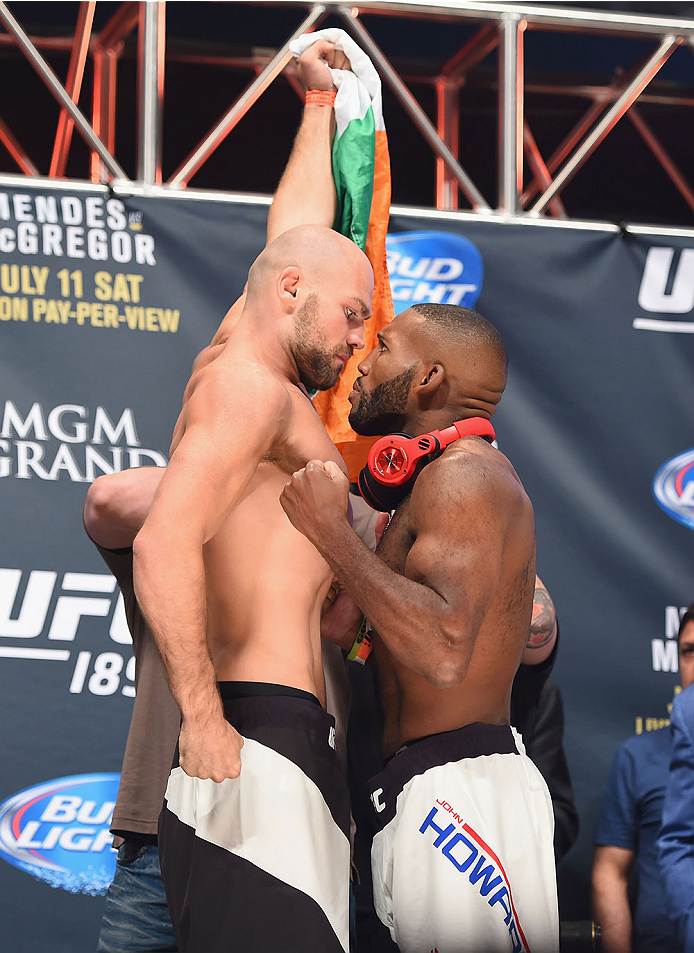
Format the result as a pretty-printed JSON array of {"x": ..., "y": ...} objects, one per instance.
[
  {"x": 664, "y": 655},
  {"x": 68, "y": 808},
  {"x": 652, "y": 293},
  {"x": 35, "y": 422},
  {"x": 426, "y": 279},
  {"x": 74, "y": 426},
  {"x": 673, "y": 616},
  {"x": 32, "y": 615},
  {"x": 26, "y": 613},
  {"x": 70, "y": 838},
  {"x": 664, "y": 652},
  {"x": 405, "y": 290},
  {"x": 70, "y": 609},
  {"x": 433, "y": 269},
  {"x": 662, "y": 292},
  {"x": 125, "y": 427},
  {"x": 74, "y": 227}
]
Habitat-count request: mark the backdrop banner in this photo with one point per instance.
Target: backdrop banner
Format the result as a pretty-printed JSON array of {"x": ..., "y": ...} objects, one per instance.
[{"x": 104, "y": 303}]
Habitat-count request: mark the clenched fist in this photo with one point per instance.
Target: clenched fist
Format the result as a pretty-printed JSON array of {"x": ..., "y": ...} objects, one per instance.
[
  {"x": 316, "y": 499},
  {"x": 313, "y": 65}
]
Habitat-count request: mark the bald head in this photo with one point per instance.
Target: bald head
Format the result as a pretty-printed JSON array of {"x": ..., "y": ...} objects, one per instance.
[
  {"x": 311, "y": 288},
  {"x": 317, "y": 252}
]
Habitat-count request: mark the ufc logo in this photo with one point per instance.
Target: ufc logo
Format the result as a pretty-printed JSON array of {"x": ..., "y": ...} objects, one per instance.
[{"x": 31, "y": 617}]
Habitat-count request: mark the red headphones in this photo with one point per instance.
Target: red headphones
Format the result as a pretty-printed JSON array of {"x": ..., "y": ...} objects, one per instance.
[{"x": 395, "y": 461}]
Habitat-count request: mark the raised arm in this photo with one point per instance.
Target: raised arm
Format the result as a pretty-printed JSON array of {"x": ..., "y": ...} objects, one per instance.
[
  {"x": 452, "y": 568},
  {"x": 214, "y": 461},
  {"x": 306, "y": 193}
]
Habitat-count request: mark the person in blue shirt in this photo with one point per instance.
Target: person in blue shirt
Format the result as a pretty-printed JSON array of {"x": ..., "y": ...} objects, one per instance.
[
  {"x": 628, "y": 825},
  {"x": 676, "y": 840}
]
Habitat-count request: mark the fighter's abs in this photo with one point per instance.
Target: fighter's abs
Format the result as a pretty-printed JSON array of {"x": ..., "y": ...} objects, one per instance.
[{"x": 266, "y": 584}]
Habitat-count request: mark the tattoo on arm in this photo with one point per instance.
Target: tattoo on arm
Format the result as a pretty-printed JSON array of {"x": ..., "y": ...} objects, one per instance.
[{"x": 543, "y": 626}]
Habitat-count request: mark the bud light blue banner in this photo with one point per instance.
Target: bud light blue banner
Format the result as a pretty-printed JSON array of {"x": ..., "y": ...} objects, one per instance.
[
  {"x": 59, "y": 832},
  {"x": 105, "y": 302},
  {"x": 433, "y": 266}
]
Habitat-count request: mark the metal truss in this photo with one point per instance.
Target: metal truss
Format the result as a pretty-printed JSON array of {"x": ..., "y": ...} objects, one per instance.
[{"x": 529, "y": 184}]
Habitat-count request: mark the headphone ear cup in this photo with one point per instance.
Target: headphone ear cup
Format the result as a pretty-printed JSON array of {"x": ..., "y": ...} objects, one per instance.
[
  {"x": 379, "y": 497},
  {"x": 395, "y": 461}
]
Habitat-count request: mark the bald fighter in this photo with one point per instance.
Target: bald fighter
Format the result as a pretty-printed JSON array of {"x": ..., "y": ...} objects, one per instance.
[
  {"x": 463, "y": 857},
  {"x": 256, "y": 813}
]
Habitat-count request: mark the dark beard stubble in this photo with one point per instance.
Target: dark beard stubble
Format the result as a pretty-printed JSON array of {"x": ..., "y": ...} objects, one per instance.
[{"x": 378, "y": 413}]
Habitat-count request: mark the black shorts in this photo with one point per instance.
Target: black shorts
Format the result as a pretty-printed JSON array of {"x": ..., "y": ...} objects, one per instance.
[{"x": 261, "y": 862}]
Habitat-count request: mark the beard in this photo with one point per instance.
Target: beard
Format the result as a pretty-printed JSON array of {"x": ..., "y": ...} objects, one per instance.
[
  {"x": 380, "y": 412},
  {"x": 315, "y": 359}
]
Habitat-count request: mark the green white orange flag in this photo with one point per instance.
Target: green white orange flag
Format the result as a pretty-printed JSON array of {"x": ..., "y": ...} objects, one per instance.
[{"x": 361, "y": 169}]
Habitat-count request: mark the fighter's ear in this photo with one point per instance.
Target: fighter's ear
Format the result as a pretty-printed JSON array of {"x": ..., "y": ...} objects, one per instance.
[
  {"x": 288, "y": 285},
  {"x": 428, "y": 379}
]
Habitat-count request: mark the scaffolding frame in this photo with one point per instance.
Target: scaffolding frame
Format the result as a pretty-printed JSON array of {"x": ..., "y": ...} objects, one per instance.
[{"x": 501, "y": 25}]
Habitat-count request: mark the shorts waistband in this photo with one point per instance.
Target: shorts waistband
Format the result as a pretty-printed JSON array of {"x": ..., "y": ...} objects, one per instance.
[
  {"x": 471, "y": 741},
  {"x": 263, "y": 689},
  {"x": 422, "y": 754}
]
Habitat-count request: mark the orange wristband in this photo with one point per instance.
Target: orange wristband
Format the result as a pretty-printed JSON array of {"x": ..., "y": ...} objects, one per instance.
[{"x": 320, "y": 97}]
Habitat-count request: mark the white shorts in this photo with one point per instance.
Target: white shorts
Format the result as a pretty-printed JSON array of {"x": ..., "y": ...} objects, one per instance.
[{"x": 463, "y": 860}]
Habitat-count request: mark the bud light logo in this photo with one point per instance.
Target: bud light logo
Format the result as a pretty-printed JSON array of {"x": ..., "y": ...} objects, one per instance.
[
  {"x": 673, "y": 488},
  {"x": 433, "y": 266},
  {"x": 58, "y": 832}
]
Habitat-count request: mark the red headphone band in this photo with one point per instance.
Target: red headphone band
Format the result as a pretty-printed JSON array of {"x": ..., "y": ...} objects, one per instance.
[
  {"x": 477, "y": 426},
  {"x": 393, "y": 459}
]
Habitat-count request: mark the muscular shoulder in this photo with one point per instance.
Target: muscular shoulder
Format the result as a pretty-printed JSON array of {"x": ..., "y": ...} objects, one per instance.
[
  {"x": 236, "y": 397},
  {"x": 231, "y": 383},
  {"x": 470, "y": 473}
]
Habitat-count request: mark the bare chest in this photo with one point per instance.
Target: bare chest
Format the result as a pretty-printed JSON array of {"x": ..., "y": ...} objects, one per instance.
[
  {"x": 305, "y": 439},
  {"x": 393, "y": 548},
  {"x": 397, "y": 540}
]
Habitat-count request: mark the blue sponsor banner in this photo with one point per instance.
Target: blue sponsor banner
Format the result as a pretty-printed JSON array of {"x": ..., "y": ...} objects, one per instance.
[
  {"x": 433, "y": 266},
  {"x": 673, "y": 488},
  {"x": 58, "y": 832}
]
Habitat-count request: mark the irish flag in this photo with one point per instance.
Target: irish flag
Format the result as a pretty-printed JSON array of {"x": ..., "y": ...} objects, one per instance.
[{"x": 361, "y": 169}]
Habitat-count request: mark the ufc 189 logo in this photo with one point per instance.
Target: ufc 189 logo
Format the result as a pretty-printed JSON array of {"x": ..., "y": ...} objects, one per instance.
[{"x": 41, "y": 619}]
